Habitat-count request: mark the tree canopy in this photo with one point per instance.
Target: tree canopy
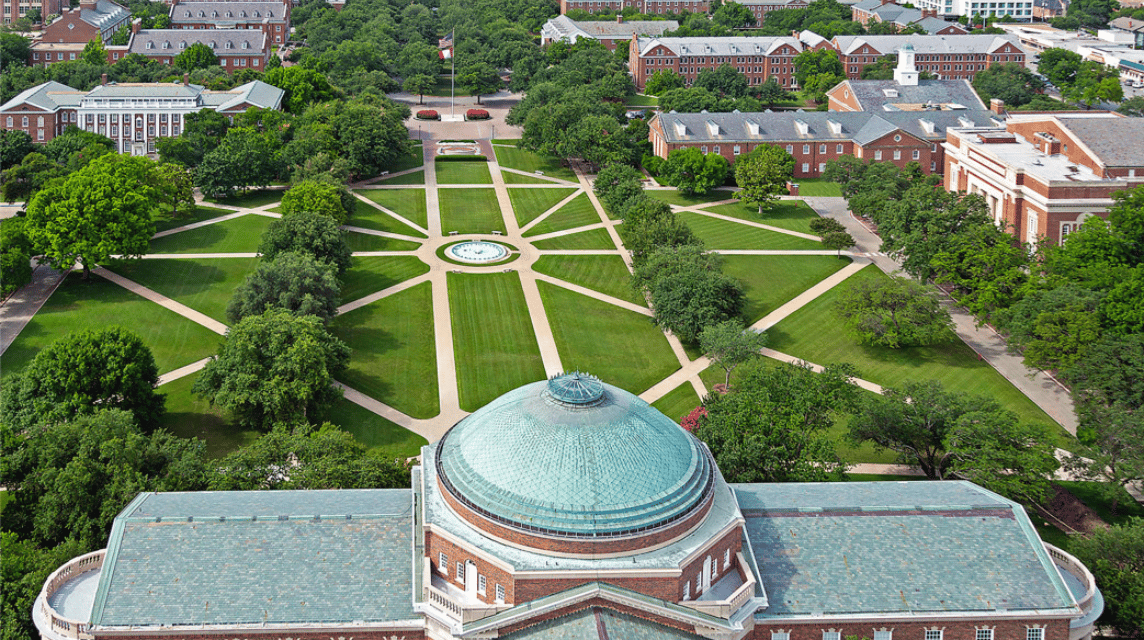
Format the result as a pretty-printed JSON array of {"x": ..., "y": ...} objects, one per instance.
[
  {"x": 311, "y": 233},
  {"x": 688, "y": 290},
  {"x": 894, "y": 312},
  {"x": 729, "y": 345},
  {"x": 692, "y": 171},
  {"x": 762, "y": 175},
  {"x": 296, "y": 282}
]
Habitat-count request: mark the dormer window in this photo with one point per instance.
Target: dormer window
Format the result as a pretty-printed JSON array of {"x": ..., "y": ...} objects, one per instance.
[
  {"x": 186, "y": 14},
  {"x": 256, "y": 15},
  {"x": 202, "y": 15},
  {"x": 213, "y": 44},
  {"x": 229, "y": 14},
  {"x": 245, "y": 45},
  {"x": 242, "y": 14},
  {"x": 150, "y": 45},
  {"x": 269, "y": 14},
  {"x": 229, "y": 45},
  {"x": 183, "y": 45},
  {"x": 166, "y": 45},
  {"x": 214, "y": 14}
]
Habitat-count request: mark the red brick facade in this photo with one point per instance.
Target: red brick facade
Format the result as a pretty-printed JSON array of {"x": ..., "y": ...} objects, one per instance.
[
  {"x": 757, "y": 66},
  {"x": 946, "y": 66},
  {"x": 276, "y": 27}
]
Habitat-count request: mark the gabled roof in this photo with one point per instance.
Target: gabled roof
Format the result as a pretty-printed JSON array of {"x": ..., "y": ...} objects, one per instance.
[
  {"x": 105, "y": 14},
  {"x": 565, "y": 27},
  {"x": 882, "y": 95},
  {"x": 48, "y": 96},
  {"x": 1127, "y": 24},
  {"x": 731, "y": 46},
  {"x": 966, "y": 43},
  {"x": 598, "y": 622},
  {"x": 221, "y": 12},
  {"x": 222, "y": 41},
  {"x": 256, "y": 94},
  {"x": 1115, "y": 142}
]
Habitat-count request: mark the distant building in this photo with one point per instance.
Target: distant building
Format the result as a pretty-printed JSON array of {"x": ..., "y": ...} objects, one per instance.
[
  {"x": 1021, "y": 10},
  {"x": 1048, "y": 9},
  {"x": 133, "y": 115},
  {"x": 759, "y": 8},
  {"x": 608, "y": 33},
  {"x": 1132, "y": 26},
  {"x": 1044, "y": 174},
  {"x": 756, "y": 58},
  {"x": 886, "y": 11},
  {"x": 1114, "y": 47},
  {"x": 236, "y": 49},
  {"x": 272, "y": 17},
  {"x": 66, "y": 36},
  {"x": 947, "y": 57},
  {"x": 16, "y": 9},
  {"x": 905, "y": 92}
]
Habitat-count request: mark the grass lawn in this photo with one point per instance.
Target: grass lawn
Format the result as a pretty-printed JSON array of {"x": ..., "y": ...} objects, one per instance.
[
  {"x": 463, "y": 173},
  {"x": 371, "y": 274},
  {"x": 368, "y": 242},
  {"x": 577, "y": 213},
  {"x": 506, "y": 141},
  {"x": 252, "y": 199},
  {"x": 590, "y": 239},
  {"x": 97, "y": 304},
  {"x": 204, "y": 285},
  {"x": 819, "y": 188},
  {"x": 815, "y": 333},
  {"x": 1092, "y": 494},
  {"x": 673, "y": 196},
  {"x": 527, "y": 204},
  {"x": 523, "y": 160},
  {"x": 516, "y": 178},
  {"x": 772, "y": 281},
  {"x": 640, "y": 100},
  {"x": 416, "y": 158},
  {"x": 394, "y": 358},
  {"x": 794, "y": 215},
  {"x": 407, "y": 203},
  {"x": 188, "y": 416},
  {"x": 723, "y": 234},
  {"x": 606, "y": 274},
  {"x": 470, "y": 211},
  {"x": 164, "y": 221},
  {"x": 381, "y": 436},
  {"x": 416, "y": 177},
  {"x": 621, "y": 347},
  {"x": 492, "y": 336},
  {"x": 240, "y": 235},
  {"x": 680, "y": 402}
]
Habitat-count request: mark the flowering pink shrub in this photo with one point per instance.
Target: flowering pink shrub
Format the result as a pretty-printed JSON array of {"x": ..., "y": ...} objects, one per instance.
[
  {"x": 428, "y": 114},
  {"x": 476, "y": 114},
  {"x": 691, "y": 420}
]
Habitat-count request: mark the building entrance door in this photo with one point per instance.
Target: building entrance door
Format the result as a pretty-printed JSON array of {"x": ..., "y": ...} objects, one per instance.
[{"x": 470, "y": 579}]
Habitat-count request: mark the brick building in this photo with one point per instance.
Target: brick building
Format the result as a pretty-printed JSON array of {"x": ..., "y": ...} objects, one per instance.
[
  {"x": 759, "y": 8},
  {"x": 756, "y": 58},
  {"x": 571, "y": 508},
  {"x": 610, "y": 34},
  {"x": 271, "y": 17},
  {"x": 953, "y": 57},
  {"x": 906, "y": 92},
  {"x": 66, "y": 36},
  {"x": 15, "y": 9},
  {"x": 885, "y": 11},
  {"x": 235, "y": 48},
  {"x": 132, "y": 115},
  {"x": 1044, "y": 174}
]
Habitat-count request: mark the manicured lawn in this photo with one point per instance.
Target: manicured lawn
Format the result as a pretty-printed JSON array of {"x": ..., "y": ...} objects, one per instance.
[
  {"x": 97, "y": 304},
  {"x": 394, "y": 357},
  {"x": 723, "y": 234},
  {"x": 371, "y": 274},
  {"x": 252, "y": 199},
  {"x": 527, "y": 204},
  {"x": 673, "y": 196},
  {"x": 606, "y": 274},
  {"x": 590, "y": 239},
  {"x": 241, "y": 235},
  {"x": 516, "y": 178},
  {"x": 188, "y": 416},
  {"x": 416, "y": 158},
  {"x": 407, "y": 203},
  {"x": 204, "y": 285},
  {"x": 463, "y": 173},
  {"x": 523, "y": 160},
  {"x": 621, "y": 347},
  {"x": 794, "y": 215},
  {"x": 164, "y": 221},
  {"x": 577, "y": 213},
  {"x": 681, "y": 401},
  {"x": 493, "y": 338},
  {"x": 818, "y": 188},
  {"x": 470, "y": 211},
  {"x": 640, "y": 100},
  {"x": 416, "y": 177},
  {"x": 771, "y": 281},
  {"x": 381, "y": 436},
  {"x": 815, "y": 333},
  {"x": 368, "y": 242}
]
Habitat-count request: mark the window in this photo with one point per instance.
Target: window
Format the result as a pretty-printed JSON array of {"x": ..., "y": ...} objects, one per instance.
[
  {"x": 703, "y": 149},
  {"x": 716, "y": 149},
  {"x": 480, "y": 584},
  {"x": 806, "y": 148},
  {"x": 933, "y": 166},
  {"x": 831, "y": 634},
  {"x": 806, "y": 167},
  {"x": 40, "y": 134},
  {"x": 443, "y": 563},
  {"x": 1035, "y": 633},
  {"x": 500, "y": 594},
  {"x": 883, "y": 634},
  {"x": 838, "y": 149},
  {"x": 822, "y": 148},
  {"x": 821, "y": 167},
  {"x": 878, "y": 155},
  {"x": 985, "y": 634},
  {"x": 933, "y": 634},
  {"x": 917, "y": 155},
  {"x": 727, "y": 558},
  {"x": 780, "y": 635},
  {"x": 737, "y": 150},
  {"x": 9, "y": 122},
  {"x": 897, "y": 154},
  {"x": 790, "y": 148},
  {"x": 461, "y": 573},
  {"x": 24, "y": 120}
]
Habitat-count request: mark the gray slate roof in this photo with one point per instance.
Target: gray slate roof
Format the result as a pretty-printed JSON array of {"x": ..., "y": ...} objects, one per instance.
[
  {"x": 598, "y": 624},
  {"x": 1117, "y": 142},
  {"x": 173, "y": 41},
  {"x": 105, "y": 14},
  {"x": 273, "y": 557},
  {"x": 1127, "y": 24},
  {"x": 729, "y": 46},
  {"x": 872, "y": 94},
  {"x": 929, "y": 44},
  {"x": 217, "y": 12},
  {"x": 567, "y": 27},
  {"x": 48, "y": 96},
  {"x": 145, "y": 90},
  {"x": 896, "y": 547}
]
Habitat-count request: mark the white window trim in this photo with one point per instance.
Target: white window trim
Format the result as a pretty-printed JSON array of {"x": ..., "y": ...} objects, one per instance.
[
  {"x": 481, "y": 582},
  {"x": 443, "y": 563}
]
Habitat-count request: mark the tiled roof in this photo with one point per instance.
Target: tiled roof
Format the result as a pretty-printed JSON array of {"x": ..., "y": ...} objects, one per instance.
[
  {"x": 228, "y": 12},
  {"x": 567, "y": 27},
  {"x": 599, "y": 624},
  {"x": 256, "y": 93},
  {"x": 229, "y": 42},
  {"x": 897, "y": 547},
  {"x": 43, "y": 96},
  {"x": 873, "y": 95},
  {"x": 730, "y": 46},
  {"x": 1116, "y": 142},
  {"x": 1127, "y": 24},
  {"x": 105, "y": 14},
  {"x": 928, "y": 44}
]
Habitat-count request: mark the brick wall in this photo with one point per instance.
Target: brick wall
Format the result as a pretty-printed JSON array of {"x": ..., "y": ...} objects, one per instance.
[{"x": 494, "y": 575}]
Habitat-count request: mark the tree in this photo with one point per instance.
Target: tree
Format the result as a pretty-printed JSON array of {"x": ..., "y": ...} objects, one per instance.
[
  {"x": 823, "y": 226},
  {"x": 24, "y": 568},
  {"x": 176, "y": 188},
  {"x": 688, "y": 291},
  {"x": 196, "y": 56},
  {"x": 662, "y": 81},
  {"x": 1114, "y": 447},
  {"x": 987, "y": 268},
  {"x": 24, "y": 180},
  {"x": 15, "y": 256},
  {"x": 728, "y": 345},
  {"x": 1009, "y": 82},
  {"x": 84, "y": 371},
  {"x": 733, "y": 16},
  {"x": 315, "y": 197},
  {"x": 419, "y": 84},
  {"x": 101, "y": 210},
  {"x": 1093, "y": 14},
  {"x": 894, "y": 312},
  {"x": 274, "y": 368},
  {"x": 771, "y": 92},
  {"x": 1109, "y": 373},
  {"x": 724, "y": 80},
  {"x": 479, "y": 78},
  {"x": 1132, "y": 107},
  {"x": 1060, "y": 66},
  {"x": 616, "y": 184},
  {"x": 296, "y": 282},
  {"x": 692, "y": 171},
  {"x": 762, "y": 175},
  {"x": 1053, "y": 328},
  {"x": 303, "y": 87},
  {"x": 922, "y": 221},
  {"x": 990, "y": 447},
  {"x": 15, "y": 50},
  {"x": 838, "y": 240},
  {"x": 246, "y": 158},
  {"x": 649, "y": 225},
  {"x": 311, "y": 233},
  {"x": 94, "y": 53},
  {"x": 64, "y": 147},
  {"x": 1116, "y": 558},
  {"x": 813, "y": 62},
  {"x": 14, "y": 146},
  {"x": 202, "y": 132}
]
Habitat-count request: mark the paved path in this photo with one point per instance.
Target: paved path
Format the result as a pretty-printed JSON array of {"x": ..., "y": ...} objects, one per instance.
[
  {"x": 162, "y": 300},
  {"x": 17, "y": 309}
]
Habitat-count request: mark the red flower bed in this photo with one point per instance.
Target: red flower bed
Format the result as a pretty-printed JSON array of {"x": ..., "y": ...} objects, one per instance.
[
  {"x": 428, "y": 114},
  {"x": 476, "y": 114},
  {"x": 691, "y": 420}
]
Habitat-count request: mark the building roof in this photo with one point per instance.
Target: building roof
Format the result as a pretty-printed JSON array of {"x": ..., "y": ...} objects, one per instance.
[
  {"x": 53, "y": 95},
  {"x": 575, "y": 456},
  {"x": 224, "y": 42},
  {"x": 802, "y": 3},
  {"x": 1116, "y": 142},
  {"x": 113, "y": 90},
  {"x": 906, "y": 548},
  {"x": 1127, "y": 24},
  {"x": 566, "y": 28},
  {"x": 888, "y": 95},
  {"x": 937, "y": 44},
  {"x": 105, "y": 14},
  {"x": 597, "y": 623},
  {"x": 46, "y": 96},
  {"x": 189, "y": 559},
  {"x": 729, "y": 46},
  {"x": 256, "y": 93},
  {"x": 222, "y": 12}
]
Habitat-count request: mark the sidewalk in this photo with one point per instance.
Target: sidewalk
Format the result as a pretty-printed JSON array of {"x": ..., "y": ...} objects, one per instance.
[{"x": 18, "y": 309}]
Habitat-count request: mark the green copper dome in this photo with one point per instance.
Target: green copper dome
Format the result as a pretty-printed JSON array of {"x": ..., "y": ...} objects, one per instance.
[{"x": 573, "y": 456}]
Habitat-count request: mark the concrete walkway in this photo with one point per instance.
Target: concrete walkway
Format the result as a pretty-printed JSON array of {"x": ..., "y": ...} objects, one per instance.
[{"x": 17, "y": 309}]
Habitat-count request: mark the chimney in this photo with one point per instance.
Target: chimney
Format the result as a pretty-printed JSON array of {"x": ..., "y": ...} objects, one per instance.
[
  {"x": 929, "y": 13},
  {"x": 103, "y": 79},
  {"x": 997, "y": 106},
  {"x": 87, "y": 4},
  {"x": 619, "y": 19},
  {"x": 136, "y": 24},
  {"x": 186, "y": 79}
]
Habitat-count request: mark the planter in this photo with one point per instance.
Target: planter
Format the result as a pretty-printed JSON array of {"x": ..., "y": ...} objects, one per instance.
[
  {"x": 428, "y": 114},
  {"x": 476, "y": 114}
]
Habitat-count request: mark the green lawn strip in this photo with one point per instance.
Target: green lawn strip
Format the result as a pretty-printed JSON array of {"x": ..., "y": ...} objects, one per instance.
[
  {"x": 470, "y": 211},
  {"x": 394, "y": 358},
  {"x": 164, "y": 221},
  {"x": 584, "y": 240},
  {"x": 204, "y": 285},
  {"x": 606, "y": 274},
  {"x": 673, "y": 196},
  {"x": 530, "y": 162},
  {"x": 370, "y": 242},
  {"x": 772, "y": 281},
  {"x": 240, "y": 235},
  {"x": 407, "y": 203},
  {"x": 723, "y": 234},
  {"x": 818, "y": 188},
  {"x": 98, "y": 304},
  {"x": 492, "y": 336},
  {"x": 415, "y": 177},
  {"x": 506, "y": 141},
  {"x": 815, "y": 333},
  {"x": 372, "y": 274},
  {"x": 621, "y": 347},
  {"x": 382, "y": 437},
  {"x": 5, "y": 496},
  {"x": 640, "y": 100},
  {"x": 793, "y": 215},
  {"x": 516, "y": 178},
  {"x": 577, "y": 213},
  {"x": 189, "y": 416},
  {"x": 681, "y": 401},
  {"x": 527, "y": 204},
  {"x": 1093, "y": 494},
  {"x": 463, "y": 173},
  {"x": 416, "y": 158},
  {"x": 252, "y": 199}
]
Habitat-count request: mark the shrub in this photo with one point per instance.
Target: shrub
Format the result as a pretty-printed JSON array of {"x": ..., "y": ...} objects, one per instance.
[
  {"x": 476, "y": 114},
  {"x": 428, "y": 114}
]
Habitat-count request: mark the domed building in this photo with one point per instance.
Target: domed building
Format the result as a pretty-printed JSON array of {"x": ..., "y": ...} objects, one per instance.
[{"x": 569, "y": 508}]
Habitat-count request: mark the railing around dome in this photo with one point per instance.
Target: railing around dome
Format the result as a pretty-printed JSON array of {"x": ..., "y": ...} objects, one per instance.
[
  {"x": 1076, "y": 568},
  {"x": 76, "y": 567},
  {"x": 727, "y": 608}
]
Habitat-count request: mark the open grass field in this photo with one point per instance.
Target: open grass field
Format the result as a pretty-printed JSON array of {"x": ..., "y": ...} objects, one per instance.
[
  {"x": 416, "y": 158},
  {"x": 528, "y": 204},
  {"x": 371, "y": 274},
  {"x": 188, "y": 416},
  {"x": 577, "y": 213},
  {"x": 723, "y": 234},
  {"x": 470, "y": 211},
  {"x": 793, "y": 215},
  {"x": 369, "y": 242},
  {"x": 381, "y": 436},
  {"x": 606, "y": 274},
  {"x": 523, "y": 160},
  {"x": 407, "y": 203},
  {"x": 415, "y": 177},
  {"x": 772, "y": 281},
  {"x": 511, "y": 177},
  {"x": 493, "y": 339},
  {"x": 621, "y": 347},
  {"x": 394, "y": 358},
  {"x": 678, "y": 403},
  {"x": 98, "y": 304},
  {"x": 463, "y": 173},
  {"x": 818, "y": 188},
  {"x": 252, "y": 199},
  {"x": 240, "y": 235},
  {"x": 204, "y": 285},
  {"x": 640, "y": 100},
  {"x": 591, "y": 239},
  {"x": 164, "y": 221},
  {"x": 673, "y": 196}
]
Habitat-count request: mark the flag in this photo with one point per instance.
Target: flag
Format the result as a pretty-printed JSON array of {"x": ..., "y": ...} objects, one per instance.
[
  {"x": 446, "y": 42},
  {"x": 446, "y": 53}
]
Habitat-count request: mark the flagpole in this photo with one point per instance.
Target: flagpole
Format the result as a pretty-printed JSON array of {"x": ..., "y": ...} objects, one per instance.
[{"x": 453, "y": 75}]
